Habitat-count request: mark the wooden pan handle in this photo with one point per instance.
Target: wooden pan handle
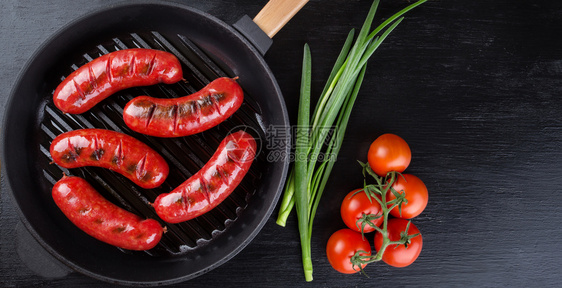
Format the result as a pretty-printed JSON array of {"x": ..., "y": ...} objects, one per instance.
[{"x": 276, "y": 13}]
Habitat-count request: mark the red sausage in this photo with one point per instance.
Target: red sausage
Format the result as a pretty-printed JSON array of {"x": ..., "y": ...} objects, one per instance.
[
  {"x": 103, "y": 220},
  {"x": 112, "y": 72},
  {"x": 112, "y": 150},
  {"x": 212, "y": 184},
  {"x": 176, "y": 117}
]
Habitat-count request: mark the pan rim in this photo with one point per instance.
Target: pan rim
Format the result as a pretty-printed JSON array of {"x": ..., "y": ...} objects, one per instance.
[{"x": 7, "y": 183}]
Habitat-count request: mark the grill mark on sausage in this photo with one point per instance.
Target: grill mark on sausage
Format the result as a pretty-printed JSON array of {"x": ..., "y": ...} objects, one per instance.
[
  {"x": 185, "y": 202},
  {"x": 132, "y": 66},
  {"x": 117, "y": 158},
  {"x": 132, "y": 168},
  {"x": 184, "y": 110},
  {"x": 206, "y": 102},
  {"x": 205, "y": 189},
  {"x": 120, "y": 149},
  {"x": 151, "y": 65},
  {"x": 147, "y": 176},
  {"x": 196, "y": 108},
  {"x": 78, "y": 89},
  {"x": 222, "y": 174},
  {"x": 93, "y": 79},
  {"x": 175, "y": 117},
  {"x": 98, "y": 152},
  {"x": 119, "y": 229},
  {"x": 96, "y": 142},
  {"x": 141, "y": 167},
  {"x": 69, "y": 156},
  {"x": 150, "y": 115},
  {"x": 216, "y": 175},
  {"x": 108, "y": 69},
  {"x": 75, "y": 150},
  {"x": 215, "y": 99}
]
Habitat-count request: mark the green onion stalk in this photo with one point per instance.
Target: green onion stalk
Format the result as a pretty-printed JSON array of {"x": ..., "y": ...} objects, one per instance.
[{"x": 315, "y": 151}]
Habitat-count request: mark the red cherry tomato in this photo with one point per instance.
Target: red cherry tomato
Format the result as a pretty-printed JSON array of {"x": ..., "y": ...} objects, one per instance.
[
  {"x": 415, "y": 193},
  {"x": 343, "y": 245},
  {"x": 389, "y": 153},
  {"x": 356, "y": 206},
  {"x": 398, "y": 255}
]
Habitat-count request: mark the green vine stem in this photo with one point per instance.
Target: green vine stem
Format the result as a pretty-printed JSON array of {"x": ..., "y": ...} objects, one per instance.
[{"x": 378, "y": 192}]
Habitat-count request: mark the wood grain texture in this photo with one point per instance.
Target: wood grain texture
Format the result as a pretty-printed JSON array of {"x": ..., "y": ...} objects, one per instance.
[
  {"x": 474, "y": 86},
  {"x": 276, "y": 13}
]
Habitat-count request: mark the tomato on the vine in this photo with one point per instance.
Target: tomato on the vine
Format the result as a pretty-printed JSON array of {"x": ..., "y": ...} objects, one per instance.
[
  {"x": 387, "y": 153},
  {"x": 357, "y": 211},
  {"x": 415, "y": 193},
  {"x": 400, "y": 255},
  {"x": 342, "y": 246}
]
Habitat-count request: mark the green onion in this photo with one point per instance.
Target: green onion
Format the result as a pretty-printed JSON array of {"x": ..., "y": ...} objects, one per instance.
[
  {"x": 309, "y": 175},
  {"x": 301, "y": 150}
]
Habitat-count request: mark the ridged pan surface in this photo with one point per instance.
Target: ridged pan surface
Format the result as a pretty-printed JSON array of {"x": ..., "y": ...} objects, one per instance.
[{"x": 187, "y": 249}]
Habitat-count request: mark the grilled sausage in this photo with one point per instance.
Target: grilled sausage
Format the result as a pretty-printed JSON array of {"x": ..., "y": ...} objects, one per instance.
[
  {"x": 112, "y": 72},
  {"x": 186, "y": 115},
  {"x": 112, "y": 150},
  {"x": 103, "y": 220},
  {"x": 212, "y": 184}
]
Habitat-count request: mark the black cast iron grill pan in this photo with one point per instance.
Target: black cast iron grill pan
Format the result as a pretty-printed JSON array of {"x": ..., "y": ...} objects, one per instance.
[
  {"x": 208, "y": 49},
  {"x": 185, "y": 154}
]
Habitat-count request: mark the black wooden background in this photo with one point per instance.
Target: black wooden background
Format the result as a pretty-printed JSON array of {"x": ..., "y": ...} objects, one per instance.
[{"x": 474, "y": 86}]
